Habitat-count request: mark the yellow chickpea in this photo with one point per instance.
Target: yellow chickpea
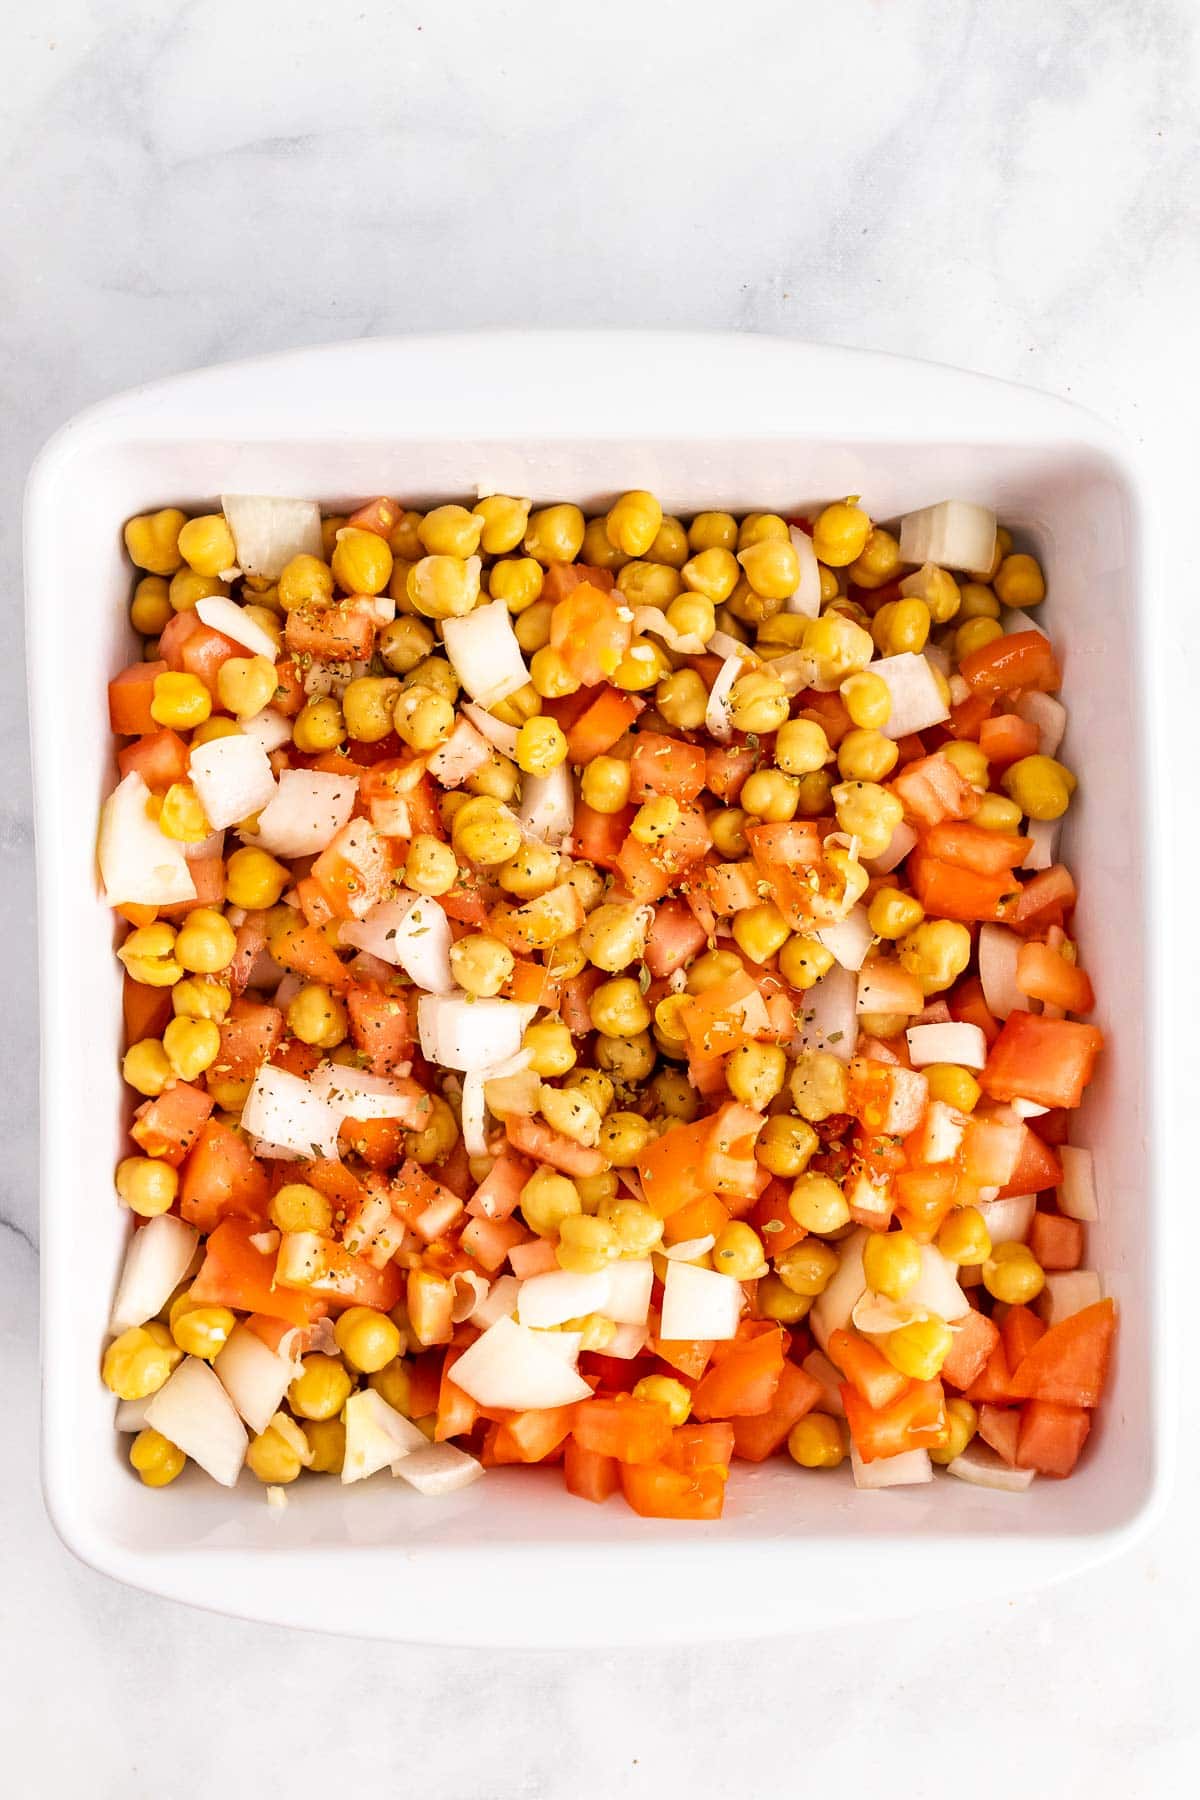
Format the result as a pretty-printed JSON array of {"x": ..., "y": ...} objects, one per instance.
[
  {"x": 713, "y": 967},
  {"x": 801, "y": 747},
  {"x": 451, "y": 531},
  {"x": 517, "y": 581},
  {"x": 551, "y": 677},
  {"x": 367, "y": 1339},
  {"x": 900, "y": 626},
  {"x": 633, "y": 522},
  {"x": 772, "y": 567},
  {"x": 866, "y": 756},
  {"x": 298, "y": 1207},
  {"x": 817, "y": 1441},
  {"x": 187, "y": 588},
  {"x": 246, "y": 684},
  {"x": 361, "y": 561},
  {"x": 618, "y": 1009},
  {"x": 485, "y": 832},
  {"x": 152, "y": 540},
  {"x": 586, "y": 1244},
  {"x": 819, "y": 1085},
  {"x": 786, "y": 1144},
  {"x": 157, "y": 1460},
  {"x": 627, "y": 1060},
  {"x": 682, "y": 700},
  {"x": 962, "y": 1421},
  {"x": 840, "y": 533},
  {"x": 813, "y": 793},
  {"x": 643, "y": 666},
  {"x": 818, "y": 1204},
  {"x": 760, "y": 931},
  {"x": 868, "y": 812},
  {"x": 554, "y": 534},
  {"x": 151, "y": 608},
  {"x": 192, "y": 1045},
  {"x": 550, "y": 1046},
  {"x": 443, "y": 587},
  {"x": 713, "y": 530},
  {"x": 773, "y": 1300},
  {"x": 803, "y": 961},
  {"x": 963, "y": 1237},
  {"x": 180, "y": 701},
  {"x": 318, "y": 1016},
  {"x": 1040, "y": 786},
  {"x": 755, "y": 1073},
  {"x": 430, "y": 867},
  {"x": 480, "y": 964},
  {"x": 206, "y": 544},
  {"x": 807, "y": 1268},
  {"x": 770, "y": 794},
  {"x": 974, "y": 634},
  {"x": 978, "y": 602},
  {"x": 319, "y": 726},
  {"x": 532, "y": 871},
  {"x": 146, "y": 1068},
  {"x": 547, "y": 1199},
  {"x": 147, "y": 1185},
  {"x": 138, "y": 1362},
  {"x": 422, "y": 717},
  {"x": 605, "y": 784},
  {"x": 728, "y": 831},
  {"x": 368, "y": 707},
  {"x": 892, "y": 914},
  {"x": 649, "y": 584},
  {"x": 205, "y": 942},
  {"x": 937, "y": 952},
  {"x": 838, "y": 645},
  {"x": 758, "y": 702},
  {"x": 879, "y": 561},
  {"x": 711, "y": 574},
  {"x": 541, "y": 746},
  {"x": 181, "y": 815},
  {"x": 306, "y": 581},
  {"x": 1019, "y": 581},
  {"x": 868, "y": 700},
  {"x": 623, "y": 1137},
  {"x": 1013, "y": 1274},
  {"x": 969, "y": 760},
  {"x": 321, "y": 1389},
  {"x": 655, "y": 820}
]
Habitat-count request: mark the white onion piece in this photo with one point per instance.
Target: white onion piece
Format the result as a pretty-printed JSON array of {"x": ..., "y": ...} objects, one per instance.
[
  {"x": 806, "y": 599},
  {"x": 998, "y": 951},
  {"x": 1077, "y": 1190},
  {"x": 474, "y": 1113},
  {"x": 717, "y": 716},
  {"x": 270, "y": 728},
  {"x": 849, "y": 940},
  {"x": 437, "y": 1469},
  {"x": 1066, "y": 1294},
  {"x": 1028, "y": 1109},
  {"x": 628, "y": 1342},
  {"x": 553, "y": 1298},
  {"x": 268, "y": 532},
  {"x": 500, "y": 1302},
  {"x": 193, "y": 1410},
  {"x": 688, "y": 1249},
  {"x": 355, "y": 1094},
  {"x": 222, "y": 614},
  {"x": 377, "y": 1436},
  {"x": 952, "y": 1043},
  {"x": 1043, "y": 849},
  {"x": 653, "y": 620},
  {"x": 875, "y": 1313},
  {"x": 212, "y": 845},
  {"x": 983, "y": 1468},
  {"x": 469, "y": 1290},
  {"x": 484, "y": 653},
  {"x": 955, "y": 534},
  {"x": 139, "y": 866},
  {"x": 916, "y": 700},
  {"x": 797, "y": 670},
  {"x": 936, "y": 1287},
  {"x": 1048, "y": 715},
  {"x": 902, "y": 841},
  {"x": 502, "y": 737},
  {"x": 723, "y": 644},
  {"x": 412, "y": 933},
  {"x": 255, "y": 1377},
  {"x": 629, "y": 1283},
  {"x": 829, "y": 1012},
  {"x": 156, "y": 1260},
  {"x": 832, "y": 1307},
  {"x": 288, "y": 1115},
  {"x": 909, "y": 1469},
  {"x": 941, "y": 1132},
  {"x": 461, "y": 1033},
  {"x": 512, "y": 1366},
  {"x": 1008, "y": 1220},
  {"x": 547, "y": 808},
  {"x": 308, "y": 810},
  {"x": 464, "y": 751},
  {"x": 232, "y": 777},
  {"x": 938, "y": 659},
  {"x": 1012, "y": 620},
  {"x": 818, "y": 1365},
  {"x": 131, "y": 1414},
  {"x": 699, "y": 1303}
]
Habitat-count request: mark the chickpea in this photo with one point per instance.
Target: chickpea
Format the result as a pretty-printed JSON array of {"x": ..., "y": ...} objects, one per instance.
[
  {"x": 451, "y": 531},
  {"x": 866, "y": 756},
  {"x": 786, "y": 1145},
  {"x": 321, "y": 1389},
  {"x": 672, "y": 1094},
  {"x": 807, "y": 1268},
  {"x": 367, "y": 1339},
  {"x": 532, "y": 629},
  {"x": 626, "y": 1059},
  {"x": 150, "y": 610},
  {"x": 254, "y": 880},
  {"x": 614, "y": 935},
  {"x": 692, "y": 613},
  {"x": 517, "y": 581},
  {"x": 649, "y": 584},
  {"x": 963, "y": 1237},
  {"x": 770, "y": 794},
  {"x": 1040, "y": 786},
  {"x": 423, "y": 718},
  {"x": 298, "y": 1207},
  {"x": 435, "y": 672},
  {"x": 548, "y": 1198},
  {"x": 480, "y": 964},
  {"x": 1019, "y": 581},
  {"x": 605, "y": 784},
  {"x": 633, "y": 522},
  {"x": 758, "y": 702},
  {"x": 974, "y": 634},
  {"x": 801, "y": 747},
  {"x": 813, "y": 794},
  {"x": 206, "y": 544},
  {"x": 146, "y": 1068},
  {"x": 937, "y": 952},
  {"x": 1013, "y": 1274},
  {"x": 772, "y": 567},
  {"x": 623, "y": 1137},
  {"x": 437, "y": 1137},
  {"x": 995, "y": 813},
  {"x": 817, "y": 1441},
  {"x": 368, "y": 705},
  {"x": 838, "y": 646},
  {"x": 713, "y": 530},
  {"x": 655, "y": 820},
  {"x": 317, "y": 1016},
  {"x": 570, "y": 1112},
  {"x": 532, "y": 871},
  {"x": 361, "y": 561},
  {"x": 818, "y": 1204},
  {"x": 755, "y": 1073},
  {"x": 670, "y": 543},
  {"x": 179, "y": 701},
  {"x": 638, "y": 1229},
  {"x": 181, "y": 815},
  {"x": 760, "y": 930},
  {"x": 191, "y": 1046},
  {"x": 682, "y": 700},
  {"x": 773, "y": 1300},
  {"x": 803, "y": 961},
  {"x": 893, "y": 914},
  {"x": 955, "y": 1085},
  {"x": 712, "y": 967},
  {"x": 819, "y": 1086},
  {"x": 306, "y": 582},
  {"x": 878, "y": 562},
  {"x": 146, "y": 1185},
  {"x": 138, "y": 1362},
  {"x": 443, "y": 587},
  {"x": 868, "y": 700},
  {"x": 840, "y": 533},
  {"x": 868, "y": 812},
  {"x": 496, "y": 779},
  {"x": 152, "y": 540},
  {"x": 728, "y": 831},
  {"x": 551, "y": 677},
  {"x": 618, "y": 1009},
  {"x": 485, "y": 832},
  {"x": 319, "y": 726},
  {"x": 205, "y": 942},
  {"x": 978, "y": 602},
  {"x": 430, "y": 867},
  {"x": 586, "y": 880},
  {"x": 586, "y": 1244},
  {"x": 550, "y": 1046},
  {"x": 643, "y": 666},
  {"x": 937, "y": 588},
  {"x": 554, "y": 534},
  {"x": 738, "y": 1251},
  {"x": 596, "y": 550},
  {"x": 157, "y": 1460}
]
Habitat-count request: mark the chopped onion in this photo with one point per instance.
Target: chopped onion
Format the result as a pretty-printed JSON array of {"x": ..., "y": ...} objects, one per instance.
[
  {"x": 916, "y": 699},
  {"x": 232, "y": 777},
  {"x": 270, "y": 728},
  {"x": 1048, "y": 715},
  {"x": 193, "y": 1410},
  {"x": 830, "y": 1014},
  {"x": 255, "y": 1377},
  {"x": 156, "y": 1260},
  {"x": 268, "y": 532},
  {"x": 688, "y": 1249},
  {"x": 955, "y": 534},
  {"x": 699, "y": 1303},
  {"x": 377, "y": 1436},
  {"x": 832, "y": 1307},
  {"x": 204, "y": 851},
  {"x": 308, "y": 810},
  {"x": 954, "y": 1043},
  {"x": 470, "y": 1290},
  {"x": 474, "y": 1113},
  {"x": 222, "y": 614},
  {"x": 139, "y": 866},
  {"x": 849, "y": 940},
  {"x": 902, "y": 841},
  {"x": 548, "y": 1300},
  {"x": 1012, "y": 620},
  {"x": 459, "y": 1032},
  {"x": 483, "y": 650},
  {"x": 354, "y": 1094},
  {"x": 1008, "y": 1220},
  {"x": 936, "y": 1287},
  {"x": 940, "y": 1133},
  {"x": 502, "y": 737},
  {"x": 289, "y": 1116},
  {"x": 796, "y": 669},
  {"x": 723, "y": 644},
  {"x": 806, "y": 599},
  {"x": 412, "y": 933},
  {"x": 131, "y": 1414},
  {"x": 1043, "y": 851},
  {"x": 629, "y": 1341},
  {"x": 909, "y": 1469},
  {"x": 547, "y": 809},
  {"x": 717, "y": 716},
  {"x": 500, "y": 1302},
  {"x": 1028, "y": 1109},
  {"x": 1064, "y": 1295},
  {"x": 653, "y": 620},
  {"x": 437, "y": 1469},
  {"x": 998, "y": 951},
  {"x": 512, "y": 1366},
  {"x": 875, "y": 1313},
  {"x": 983, "y": 1468},
  {"x": 1077, "y": 1190},
  {"x": 629, "y": 1284},
  {"x": 464, "y": 751}
]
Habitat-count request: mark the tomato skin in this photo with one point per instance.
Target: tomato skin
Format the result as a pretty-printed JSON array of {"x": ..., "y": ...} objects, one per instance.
[
  {"x": 632, "y": 1431},
  {"x": 235, "y": 1273},
  {"x": 657, "y": 1491},
  {"x": 607, "y": 718},
  {"x": 947, "y": 892},
  {"x": 168, "y": 1126},
  {"x": 675, "y": 937},
  {"x": 1056, "y": 1242},
  {"x": 744, "y": 1376},
  {"x": 1044, "y": 975},
  {"x": 304, "y": 950},
  {"x": 600, "y": 836},
  {"x": 1044, "y": 901},
  {"x": 538, "y": 1141},
  {"x": 666, "y": 765},
  {"x": 866, "y": 1369},
  {"x": 913, "y": 1421},
  {"x": 1068, "y": 1365},
  {"x": 341, "y": 633},
  {"x": 1051, "y": 1437},
  {"x": 1007, "y": 739},
  {"x": 1023, "y": 659},
  {"x": 380, "y": 1026},
  {"x": 588, "y": 1475},
  {"x": 220, "y": 1178},
  {"x": 1046, "y": 1060},
  {"x": 967, "y": 846},
  {"x": 249, "y": 1034},
  {"x": 725, "y": 770},
  {"x": 129, "y": 697}
]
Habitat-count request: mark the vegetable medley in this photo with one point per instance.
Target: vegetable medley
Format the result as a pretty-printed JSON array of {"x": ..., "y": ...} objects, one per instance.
[{"x": 598, "y": 992}]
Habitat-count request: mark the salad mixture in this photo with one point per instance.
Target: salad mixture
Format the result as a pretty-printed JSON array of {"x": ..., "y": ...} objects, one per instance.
[{"x": 597, "y": 992}]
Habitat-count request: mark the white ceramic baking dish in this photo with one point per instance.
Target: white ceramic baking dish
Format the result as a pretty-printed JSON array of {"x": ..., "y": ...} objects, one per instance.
[{"x": 704, "y": 421}]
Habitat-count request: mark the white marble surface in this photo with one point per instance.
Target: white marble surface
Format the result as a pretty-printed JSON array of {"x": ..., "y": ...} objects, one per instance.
[{"x": 1008, "y": 187}]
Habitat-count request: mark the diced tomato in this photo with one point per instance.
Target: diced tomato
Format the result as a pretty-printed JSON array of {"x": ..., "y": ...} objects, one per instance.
[
  {"x": 306, "y": 951},
  {"x": 498, "y": 1193},
  {"x": 669, "y": 1167},
  {"x": 694, "y": 1447},
  {"x": 666, "y": 765},
  {"x": 1000, "y": 1427},
  {"x": 657, "y": 1491},
  {"x": 146, "y": 1010},
  {"x": 588, "y": 1475},
  {"x": 787, "y": 857},
  {"x": 1056, "y": 1242},
  {"x": 744, "y": 1375},
  {"x": 728, "y": 1165},
  {"x": 573, "y": 1001},
  {"x": 587, "y": 630},
  {"x": 926, "y": 1196},
  {"x": 1069, "y": 1363},
  {"x": 947, "y": 892},
  {"x": 829, "y": 712},
  {"x": 1020, "y": 1330},
  {"x": 634, "y": 1431},
  {"x": 1022, "y": 659},
  {"x": 354, "y": 872},
  {"x": 1046, "y": 1060},
  {"x": 975, "y": 1337},
  {"x": 1051, "y": 1437},
  {"x": 605, "y": 719},
  {"x": 159, "y": 757},
  {"x": 731, "y": 887},
  {"x": 688, "y": 1356},
  {"x": 726, "y": 767},
  {"x": 866, "y": 1369},
  {"x": 489, "y": 1241},
  {"x": 221, "y": 1177},
  {"x": 758, "y": 1437},
  {"x": 341, "y": 633},
  {"x": 129, "y": 697},
  {"x": 934, "y": 789},
  {"x": 1045, "y": 975},
  {"x": 888, "y": 1099},
  {"x": 967, "y": 717},
  {"x": 236, "y": 1273},
  {"x": 534, "y": 1139},
  {"x": 1044, "y": 901},
  {"x": 296, "y": 1057},
  {"x": 990, "y": 1386},
  {"x": 380, "y": 516},
  {"x": 289, "y": 689},
  {"x": 249, "y": 1033},
  {"x": 968, "y": 1005},
  {"x": 205, "y": 652},
  {"x": 208, "y": 879},
  {"x": 600, "y": 836},
  {"x": 535, "y": 1434},
  {"x": 991, "y": 1149},
  {"x": 561, "y": 579},
  {"x": 912, "y": 1421},
  {"x": 714, "y": 1021},
  {"x": 969, "y": 846},
  {"x": 532, "y": 985},
  {"x": 704, "y": 1217},
  {"x": 1007, "y": 739},
  {"x": 649, "y": 870},
  {"x": 1037, "y": 1167},
  {"x": 168, "y": 1126},
  {"x": 773, "y": 1221},
  {"x": 675, "y": 937},
  {"x": 344, "y": 1279}
]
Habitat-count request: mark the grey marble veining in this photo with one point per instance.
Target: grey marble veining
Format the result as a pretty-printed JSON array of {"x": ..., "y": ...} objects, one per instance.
[{"x": 1011, "y": 187}]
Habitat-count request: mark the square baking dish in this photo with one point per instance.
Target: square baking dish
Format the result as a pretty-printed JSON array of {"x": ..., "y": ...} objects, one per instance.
[{"x": 704, "y": 421}]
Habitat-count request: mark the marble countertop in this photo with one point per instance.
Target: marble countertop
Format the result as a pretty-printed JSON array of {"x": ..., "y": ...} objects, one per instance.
[{"x": 1010, "y": 188}]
